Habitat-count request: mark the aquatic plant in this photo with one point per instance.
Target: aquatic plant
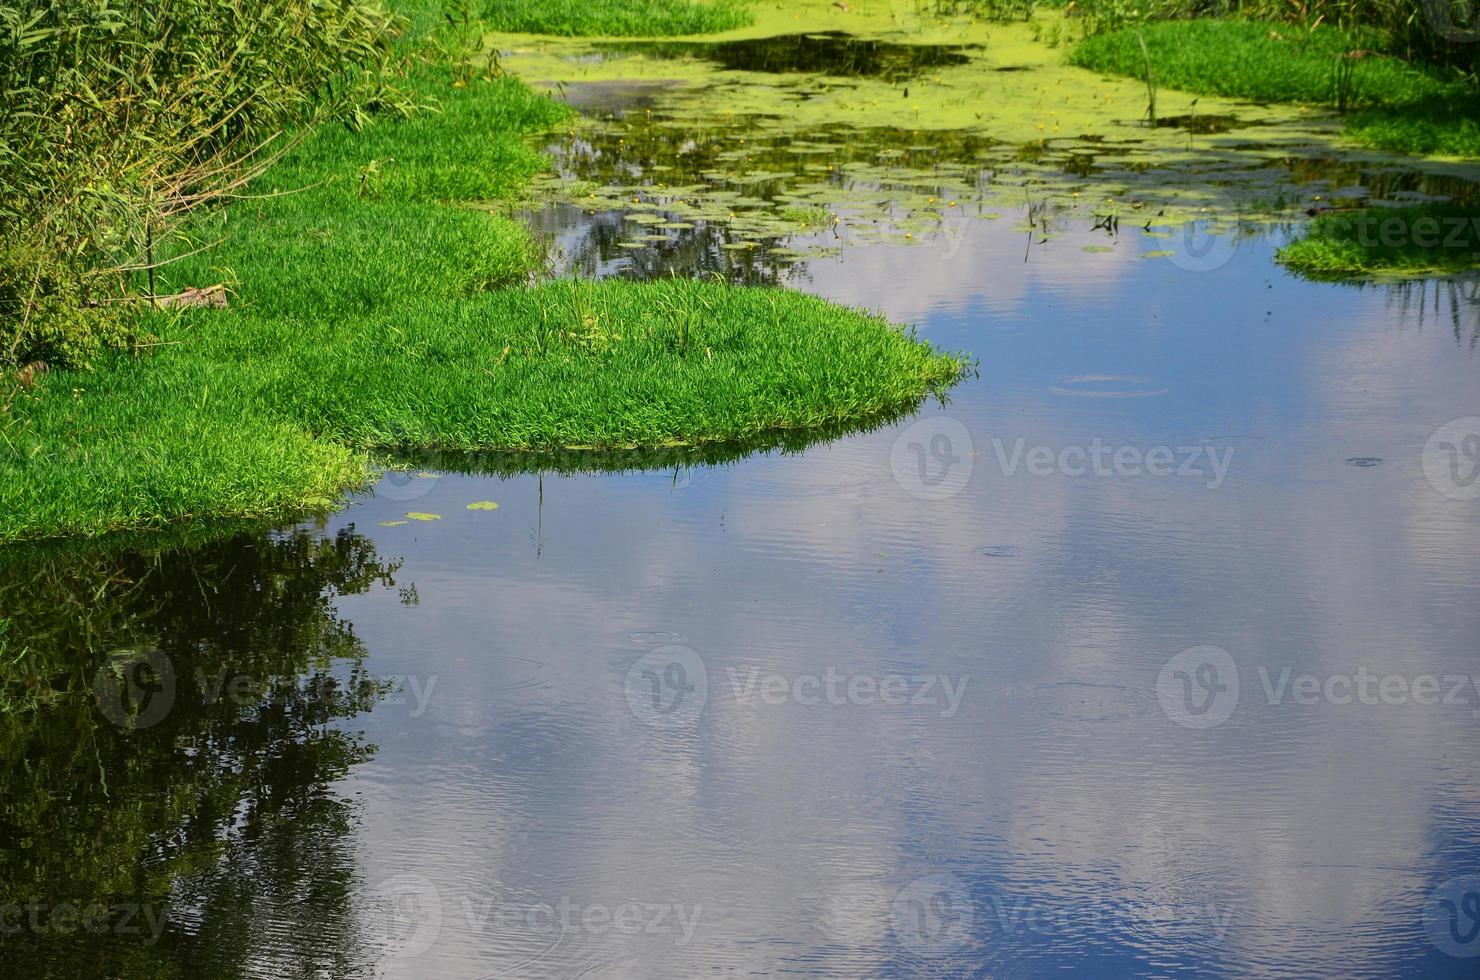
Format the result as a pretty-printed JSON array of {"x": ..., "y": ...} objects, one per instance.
[
  {"x": 1391, "y": 103},
  {"x": 996, "y": 10},
  {"x": 1345, "y": 69},
  {"x": 1150, "y": 79},
  {"x": 1369, "y": 242}
]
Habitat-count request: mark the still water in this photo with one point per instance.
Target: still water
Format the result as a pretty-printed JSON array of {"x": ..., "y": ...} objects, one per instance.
[{"x": 1152, "y": 651}]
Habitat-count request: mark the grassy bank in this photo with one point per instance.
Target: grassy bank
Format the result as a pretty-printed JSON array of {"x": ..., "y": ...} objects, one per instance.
[
  {"x": 1429, "y": 240},
  {"x": 118, "y": 118},
  {"x": 1396, "y": 105},
  {"x": 616, "y": 18},
  {"x": 362, "y": 318}
]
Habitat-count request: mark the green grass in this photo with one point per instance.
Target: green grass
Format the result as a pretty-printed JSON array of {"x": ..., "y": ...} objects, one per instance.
[
  {"x": 1241, "y": 59},
  {"x": 361, "y": 320},
  {"x": 1447, "y": 124},
  {"x": 1429, "y": 239},
  {"x": 617, "y": 18},
  {"x": 1399, "y": 106}
]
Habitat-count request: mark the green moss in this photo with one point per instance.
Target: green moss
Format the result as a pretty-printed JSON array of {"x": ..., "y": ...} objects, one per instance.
[
  {"x": 617, "y": 18},
  {"x": 1429, "y": 239}
]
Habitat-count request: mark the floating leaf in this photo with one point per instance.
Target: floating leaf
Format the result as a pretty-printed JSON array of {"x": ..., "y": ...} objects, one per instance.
[
  {"x": 1160, "y": 253},
  {"x": 1098, "y": 248},
  {"x": 483, "y": 505},
  {"x": 391, "y": 523},
  {"x": 417, "y": 515}
]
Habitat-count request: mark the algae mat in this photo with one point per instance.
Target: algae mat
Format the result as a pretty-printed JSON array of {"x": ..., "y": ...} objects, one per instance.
[{"x": 816, "y": 127}]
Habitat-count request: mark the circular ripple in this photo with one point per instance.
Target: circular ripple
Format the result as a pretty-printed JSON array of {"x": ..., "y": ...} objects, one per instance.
[
  {"x": 653, "y": 638},
  {"x": 1106, "y": 386}
]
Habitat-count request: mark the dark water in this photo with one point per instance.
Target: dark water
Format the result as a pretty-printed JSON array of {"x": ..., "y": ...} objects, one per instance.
[
  {"x": 1152, "y": 652},
  {"x": 831, "y": 53}
]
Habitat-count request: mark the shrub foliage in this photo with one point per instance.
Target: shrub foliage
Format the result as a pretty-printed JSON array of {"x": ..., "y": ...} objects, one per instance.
[{"x": 118, "y": 117}]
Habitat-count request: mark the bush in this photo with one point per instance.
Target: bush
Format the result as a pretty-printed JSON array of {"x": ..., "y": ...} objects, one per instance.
[
  {"x": 44, "y": 314},
  {"x": 117, "y": 117}
]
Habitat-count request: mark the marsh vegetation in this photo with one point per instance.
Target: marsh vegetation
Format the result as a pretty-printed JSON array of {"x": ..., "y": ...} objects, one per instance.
[{"x": 348, "y": 188}]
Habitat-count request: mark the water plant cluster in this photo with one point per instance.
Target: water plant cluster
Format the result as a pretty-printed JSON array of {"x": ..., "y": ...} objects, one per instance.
[
  {"x": 1391, "y": 102},
  {"x": 1402, "y": 76}
]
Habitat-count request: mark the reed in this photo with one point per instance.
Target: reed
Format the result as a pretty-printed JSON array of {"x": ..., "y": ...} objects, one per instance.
[{"x": 120, "y": 118}]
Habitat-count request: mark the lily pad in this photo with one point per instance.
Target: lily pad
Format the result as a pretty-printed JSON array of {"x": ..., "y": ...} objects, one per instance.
[
  {"x": 483, "y": 505},
  {"x": 417, "y": 515},
  {"x": 391, "y": 523}
]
